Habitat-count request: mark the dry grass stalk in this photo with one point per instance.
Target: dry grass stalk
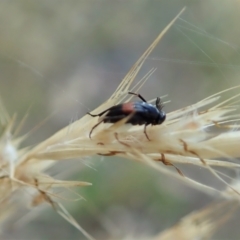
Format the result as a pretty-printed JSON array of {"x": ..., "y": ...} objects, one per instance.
[
  {"x": 185, "y": 137},
  {"x": 200, "y": 224}
]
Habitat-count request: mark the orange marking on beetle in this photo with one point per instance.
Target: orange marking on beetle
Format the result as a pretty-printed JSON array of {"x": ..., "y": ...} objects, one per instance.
[{"x": 128, "y": 107}]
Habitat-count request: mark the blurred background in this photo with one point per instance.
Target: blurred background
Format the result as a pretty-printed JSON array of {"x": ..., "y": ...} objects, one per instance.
[{"x": 63, "y": 58}]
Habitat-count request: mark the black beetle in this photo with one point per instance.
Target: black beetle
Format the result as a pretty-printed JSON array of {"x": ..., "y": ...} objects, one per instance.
[{"x": 143, "y": 112}]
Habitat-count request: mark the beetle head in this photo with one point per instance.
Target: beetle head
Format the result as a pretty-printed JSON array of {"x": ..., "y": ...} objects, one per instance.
[{"x": 162, "y": 117}]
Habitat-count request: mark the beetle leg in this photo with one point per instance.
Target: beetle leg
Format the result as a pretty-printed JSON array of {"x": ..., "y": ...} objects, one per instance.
[
  {"x": 94, "y": 128},
  {"x": 138, "y": 95},
  {"x": 145, "y": 132},
  {"x": 100, "y": 114}
]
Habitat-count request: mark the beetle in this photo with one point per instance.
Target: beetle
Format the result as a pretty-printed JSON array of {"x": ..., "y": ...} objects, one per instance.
[{"x": 143, "y": 113}]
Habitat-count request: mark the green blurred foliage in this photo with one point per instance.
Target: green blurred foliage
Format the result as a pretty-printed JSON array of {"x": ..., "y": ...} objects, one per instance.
[{"x": 64, "y": 57}]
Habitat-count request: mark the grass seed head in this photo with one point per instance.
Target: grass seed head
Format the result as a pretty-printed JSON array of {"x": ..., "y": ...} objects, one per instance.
[{"x": 200, "y": 134}]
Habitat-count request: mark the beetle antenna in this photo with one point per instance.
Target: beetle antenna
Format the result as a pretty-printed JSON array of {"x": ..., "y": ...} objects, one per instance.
[
  {"x": 138, "y": 95},
  {"x": 159, "y": 104},
  {"x": 93, "y": 115}
]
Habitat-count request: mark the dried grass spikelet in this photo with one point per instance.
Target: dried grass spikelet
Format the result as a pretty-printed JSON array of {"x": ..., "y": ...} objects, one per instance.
[
  {"x": 188, "y": 136},
  {"x": 185, "y": 137},
  {"x": 26, "y": 184},
  {"x": 22, "y": 170},
  {"x": 73, "y": 141}
]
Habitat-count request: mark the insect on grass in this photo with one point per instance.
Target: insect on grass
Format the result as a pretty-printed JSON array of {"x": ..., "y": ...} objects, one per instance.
[{"x": 143, "y": 113}]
